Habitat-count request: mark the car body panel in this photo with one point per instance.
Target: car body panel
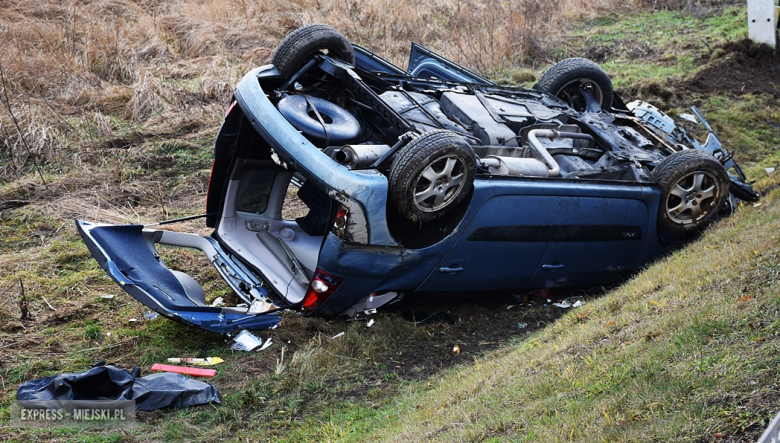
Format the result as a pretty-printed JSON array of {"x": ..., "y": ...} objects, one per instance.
[
  {"x": 126, "y": 253},
  {"x": 424, "y": 63},
  {"x": 348, "y": 187}
]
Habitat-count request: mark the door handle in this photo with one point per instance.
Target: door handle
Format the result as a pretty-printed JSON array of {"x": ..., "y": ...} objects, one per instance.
[
  {"x": 552, "y": 266},
  {"x": 450, "y": 270}
]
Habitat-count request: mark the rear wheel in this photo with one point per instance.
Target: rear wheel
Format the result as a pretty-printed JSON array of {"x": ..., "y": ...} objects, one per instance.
[
  {"x": 694, "y": 189},
  {"x": 307, "y": 41},
  {"x": 564, "y": 79},
  {"x": 432, "y": 175}
]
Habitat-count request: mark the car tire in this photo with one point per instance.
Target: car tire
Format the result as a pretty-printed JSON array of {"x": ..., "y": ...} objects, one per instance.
[
  {"x": 694, "y": 187},
  {"x": 564, "y": 78},
  {"x": 432, "y": 175},
  {"x": 300, "y": 45}
]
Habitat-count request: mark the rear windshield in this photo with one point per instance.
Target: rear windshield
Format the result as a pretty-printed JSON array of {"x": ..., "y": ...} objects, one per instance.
[{"x": 254, "y": 198}]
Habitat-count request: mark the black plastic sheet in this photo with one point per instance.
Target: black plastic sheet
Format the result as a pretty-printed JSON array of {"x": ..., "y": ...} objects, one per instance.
[{"x": 151, "y": 392}]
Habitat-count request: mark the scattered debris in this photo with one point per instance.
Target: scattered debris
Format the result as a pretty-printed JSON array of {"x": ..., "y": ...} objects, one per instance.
[
  {"x": 690, "y": 117},
  {"x": 259, "y": 306},
  {"x": 567, "y": 303},
  {"x": 246, "y": 341},
  {"x": 510, "y": 307},
  {"x": 522, "y": 325},
  {"x": 107, "y": 296},
  {"x": 106, "y": 382},
  {"x": 48, "y": 304},
  {"x": 133, "y": 320},
  {"x": 265, "y": 345},
  {"x": 196, "y": 372},
  {"x": 337, "y": 335},
  {"x": 370, "y": 311},
  {"x": 151, "y": 315},
  {"x": 219, "y": 301},
  {"x": 208, "y": 361},
  {"x": 769, "y": 170},
  {"x": 456, "y": 349},
  {"x": 370, "y": 323}
]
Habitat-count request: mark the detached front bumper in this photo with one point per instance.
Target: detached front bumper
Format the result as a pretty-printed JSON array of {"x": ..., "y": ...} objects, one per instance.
[{"x": 127, "y": 254}]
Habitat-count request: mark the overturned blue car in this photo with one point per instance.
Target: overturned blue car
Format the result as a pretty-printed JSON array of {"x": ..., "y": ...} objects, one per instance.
[{"x": 428, "y": 179}]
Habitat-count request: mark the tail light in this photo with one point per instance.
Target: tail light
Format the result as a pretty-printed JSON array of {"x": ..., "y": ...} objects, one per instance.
[
  {"x": 320, "y": 288},
  {"x": 230, "y": 108}
]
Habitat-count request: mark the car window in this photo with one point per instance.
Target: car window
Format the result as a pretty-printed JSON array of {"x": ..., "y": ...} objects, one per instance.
[{"x": 254, "y": 198}]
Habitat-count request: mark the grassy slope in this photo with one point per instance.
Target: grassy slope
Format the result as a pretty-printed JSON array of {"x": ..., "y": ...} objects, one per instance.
[
  {"x": 670, "y": 354},
  {"x": 685, "y": 350}
]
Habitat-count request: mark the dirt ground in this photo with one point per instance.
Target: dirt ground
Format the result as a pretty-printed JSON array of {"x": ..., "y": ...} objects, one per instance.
[{"x": 739, "y": 68}]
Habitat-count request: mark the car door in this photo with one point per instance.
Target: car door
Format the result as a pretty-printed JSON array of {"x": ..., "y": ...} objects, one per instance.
[
  {"x": 596, "y": 238},
  {"x": 545, "y": 233},
  {"x": 497, "y": 248},
  {"x": 424, "y": 63}
]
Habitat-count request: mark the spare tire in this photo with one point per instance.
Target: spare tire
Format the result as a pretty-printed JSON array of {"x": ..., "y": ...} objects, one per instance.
[
  {"x": 432, "y": 175},
  {"x": 564, "y": 79},
  {"x": 300, "y": 45},
  {"x": 694, "y": 187}
]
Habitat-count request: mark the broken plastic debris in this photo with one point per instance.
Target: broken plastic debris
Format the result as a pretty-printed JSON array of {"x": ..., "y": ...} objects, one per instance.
[
  {"x": 690, "y": 117},
  {"x": 577, "y": 304},
  {"x": 107, "y": 296},
  {"x": 151, "y": 315},
  {"x": 133, "y": 320},
  {"x": 510, "y": 306},
  {"x": 265, "y": 345},
  {"x": 370, "y": 323},
  {"x": 246, "y": 341},
  {"x": 219, "y": 301},
  {"x": 259, "y": 306},
  {"x": 197, "y": 372},
  {"x": 209, "y": 361},
  {"x": 522, "y": 325},
  {"x": 564, "y": 304},
  {"x": 456, "y": 349},
  {"x": 337, "y": 335},
  {"x": 370, "y": 311},
  {"x": 769, "y": 170}
]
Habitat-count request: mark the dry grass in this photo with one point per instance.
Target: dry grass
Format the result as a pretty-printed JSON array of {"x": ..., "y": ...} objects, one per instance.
[{"x": 79, "y": 73}]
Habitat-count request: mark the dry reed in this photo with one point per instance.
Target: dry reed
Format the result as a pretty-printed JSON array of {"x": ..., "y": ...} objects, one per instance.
[{"x": 71, "y": 64}]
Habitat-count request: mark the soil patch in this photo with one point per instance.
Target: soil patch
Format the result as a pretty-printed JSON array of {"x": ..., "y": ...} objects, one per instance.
[{"x": 739, "y": 68}]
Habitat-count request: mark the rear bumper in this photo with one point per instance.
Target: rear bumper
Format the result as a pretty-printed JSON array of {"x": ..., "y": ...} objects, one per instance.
[{"x": 127, "y": 254}]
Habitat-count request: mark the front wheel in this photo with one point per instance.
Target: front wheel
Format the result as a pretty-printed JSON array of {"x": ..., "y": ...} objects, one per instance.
[
  {"x": 432, "y": 175},
  {"x": 694, "y": 188}
]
